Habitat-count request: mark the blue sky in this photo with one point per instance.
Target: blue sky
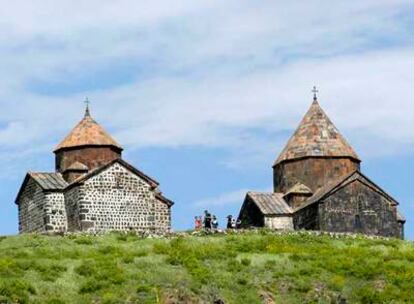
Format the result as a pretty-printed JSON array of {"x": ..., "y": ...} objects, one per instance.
[{"x": 203, "y": 95}]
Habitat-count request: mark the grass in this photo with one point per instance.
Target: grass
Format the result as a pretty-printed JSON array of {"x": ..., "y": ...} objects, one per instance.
[{"x": 252, "y": 267}]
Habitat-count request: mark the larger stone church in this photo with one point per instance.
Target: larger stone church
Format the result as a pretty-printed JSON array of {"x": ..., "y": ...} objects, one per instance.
[
  {"x": 93, "y": 189},
  {"x": 318, "y": 185}
]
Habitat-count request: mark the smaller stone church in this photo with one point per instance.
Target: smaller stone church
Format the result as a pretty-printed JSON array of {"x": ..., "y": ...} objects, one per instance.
[
  {"x": 318, "y": 185},
  {"x": 93, "y": 189}
]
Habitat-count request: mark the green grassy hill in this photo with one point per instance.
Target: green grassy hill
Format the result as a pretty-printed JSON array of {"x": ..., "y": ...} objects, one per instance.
[{"x": 253, "y": 267}]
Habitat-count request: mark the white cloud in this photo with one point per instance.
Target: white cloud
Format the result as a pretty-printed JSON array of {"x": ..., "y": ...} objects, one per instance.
[
  {"x": 229, "y": 198},
  {"x": 233, "y": 74}
]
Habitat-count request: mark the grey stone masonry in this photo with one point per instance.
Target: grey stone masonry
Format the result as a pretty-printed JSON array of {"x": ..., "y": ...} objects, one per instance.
[
  {"x": 116, "y": 199},
  {"x": 31, "y": 208},
  {"x": 55, "y": 212},
  {"x": 92, "y": 190},
  {"x": 41, "y": 211}
]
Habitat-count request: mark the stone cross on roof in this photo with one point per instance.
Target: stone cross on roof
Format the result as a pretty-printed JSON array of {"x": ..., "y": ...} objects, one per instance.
[
  {"x": 314, "y": 91},
  {"x": 87, "y": 112}
]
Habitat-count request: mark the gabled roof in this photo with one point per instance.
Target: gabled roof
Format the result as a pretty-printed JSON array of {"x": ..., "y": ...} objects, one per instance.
[
  {"x": 87, "y": 133},
  {"x": 342, "y": 182},
  {"x": 98, "y": 170},
  {"x": 270, "y": 203},
  {"x": 162, "y": 198},
  {"x": 316, "y": 136},
  {"x": 299, "y": 188},
  {"x": 46, "y": 181},
  {"x": 78, "y": 166},
  {"x": 153, "y": 183}
]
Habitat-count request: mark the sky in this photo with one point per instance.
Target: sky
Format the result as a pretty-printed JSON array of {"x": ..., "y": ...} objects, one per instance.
[{"x": 203, "y": 95}]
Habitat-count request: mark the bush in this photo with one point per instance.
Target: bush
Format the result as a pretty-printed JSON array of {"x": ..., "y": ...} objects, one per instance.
[
  {"x": 86, "y": 269},
  {"x": 16, "y": 291},
  {"x": 91, "y": 286},
  {"x": 55, "y": 301},
  {"x": 246, "y": 262},
  {"x": 236, "y": 268},
  {"x": 84, "y": 240}
]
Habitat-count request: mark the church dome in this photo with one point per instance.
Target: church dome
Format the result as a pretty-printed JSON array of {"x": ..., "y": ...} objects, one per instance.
[
  {"x": 87, "y": 133},
  {"x": 316, "y": 136}
]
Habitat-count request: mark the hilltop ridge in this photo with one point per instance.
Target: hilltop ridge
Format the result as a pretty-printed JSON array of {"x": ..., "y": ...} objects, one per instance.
[{"x": 247, "y": 267}]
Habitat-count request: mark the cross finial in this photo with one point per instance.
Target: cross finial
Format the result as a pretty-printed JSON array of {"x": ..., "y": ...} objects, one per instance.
[
  {"x": 314, "y": 91},
  {"x": 87, "y": 102}
]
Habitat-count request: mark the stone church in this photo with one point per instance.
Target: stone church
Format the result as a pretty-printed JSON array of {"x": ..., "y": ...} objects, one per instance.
[
  {"x": 93, "y": 189},
  {"x": 318, "y": 185}
]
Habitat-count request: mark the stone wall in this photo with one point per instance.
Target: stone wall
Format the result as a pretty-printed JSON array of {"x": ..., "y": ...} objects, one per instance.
[
  {"x": 295, "y": 200},
  {"x": 116, "y": 199},
  {"x": 313, "y": 172},
  {"x": 72, "y": 208},
  {"x": 55, "y": 212},
  {"x": 359, "y": 208},
  {"x": 92, "y": 157},
  {"x": 162, "y": 216},
  {"x": 41, "y": 211},
  {"x": 250, "y": 215},
  {"x": 31, "y": 208},
  {"x": 307, "y": 218},
  {"x": 72, "y": 175},
  {"x": 279, "y": 222}
]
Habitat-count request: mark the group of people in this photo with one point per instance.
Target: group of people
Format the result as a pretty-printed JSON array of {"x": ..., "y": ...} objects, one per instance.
[{"x": 210, "y": 222}]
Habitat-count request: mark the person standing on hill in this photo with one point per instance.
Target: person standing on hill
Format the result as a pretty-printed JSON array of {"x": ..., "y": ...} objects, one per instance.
[
  {"x": 238, "y": 223},
  {"x": 229, "y": 221},
  {"x": 198, "y": 223},
  {"x": 207, "y": 220},
  {"x": 233, "y": 223},
  {"x": 214, "y": 223}
]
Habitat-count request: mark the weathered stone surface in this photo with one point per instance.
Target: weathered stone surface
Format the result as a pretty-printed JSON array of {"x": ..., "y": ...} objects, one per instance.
[
  {"x": 40, "y": 211},
  {"x": 359, "y": 208},
  {"x": 87, "y": 133},
  {"x": 279, "y": 222},
  {"x": 252, "y": 216},
  {"x": 93, "y": 157},
  {"x": 313, "y": 172},
  {"x": 93, "y": 190},
  {"x": 318, "y": 175},
  {"x": 316, "y": 136},
  {"x": 119, "y": 200}
]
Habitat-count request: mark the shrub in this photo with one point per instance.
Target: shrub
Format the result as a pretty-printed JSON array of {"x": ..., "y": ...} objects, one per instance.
[
  {"x": 369, "y": 295},
  {"x": 128, "y": 259},
  {"x": 86, "y": 269},
  {"x": 9, "y": 267},
  {"x": 16, "y": 290},
  {"x": 109, "y": 250},
  {"x": 337, "y": 282},
  {"x": 233, "y": 265},
  {"x": 246, "y": 262},
  {"x": 55, "y": 301},
  {"x": 84, "y": 240},
  {"x": 91, "y": 286}
]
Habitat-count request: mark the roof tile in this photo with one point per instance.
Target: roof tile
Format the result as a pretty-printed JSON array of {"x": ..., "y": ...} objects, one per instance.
[
  {"x": 87, "y": 133},
  {"x": 270, "y": 203},
  {"x": 316, "y": 136}
]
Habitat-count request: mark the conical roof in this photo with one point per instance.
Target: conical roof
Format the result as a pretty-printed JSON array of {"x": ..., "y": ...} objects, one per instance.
[
  {"x": 316, "y": 136},
  {"x": 87, "y": 133}
]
